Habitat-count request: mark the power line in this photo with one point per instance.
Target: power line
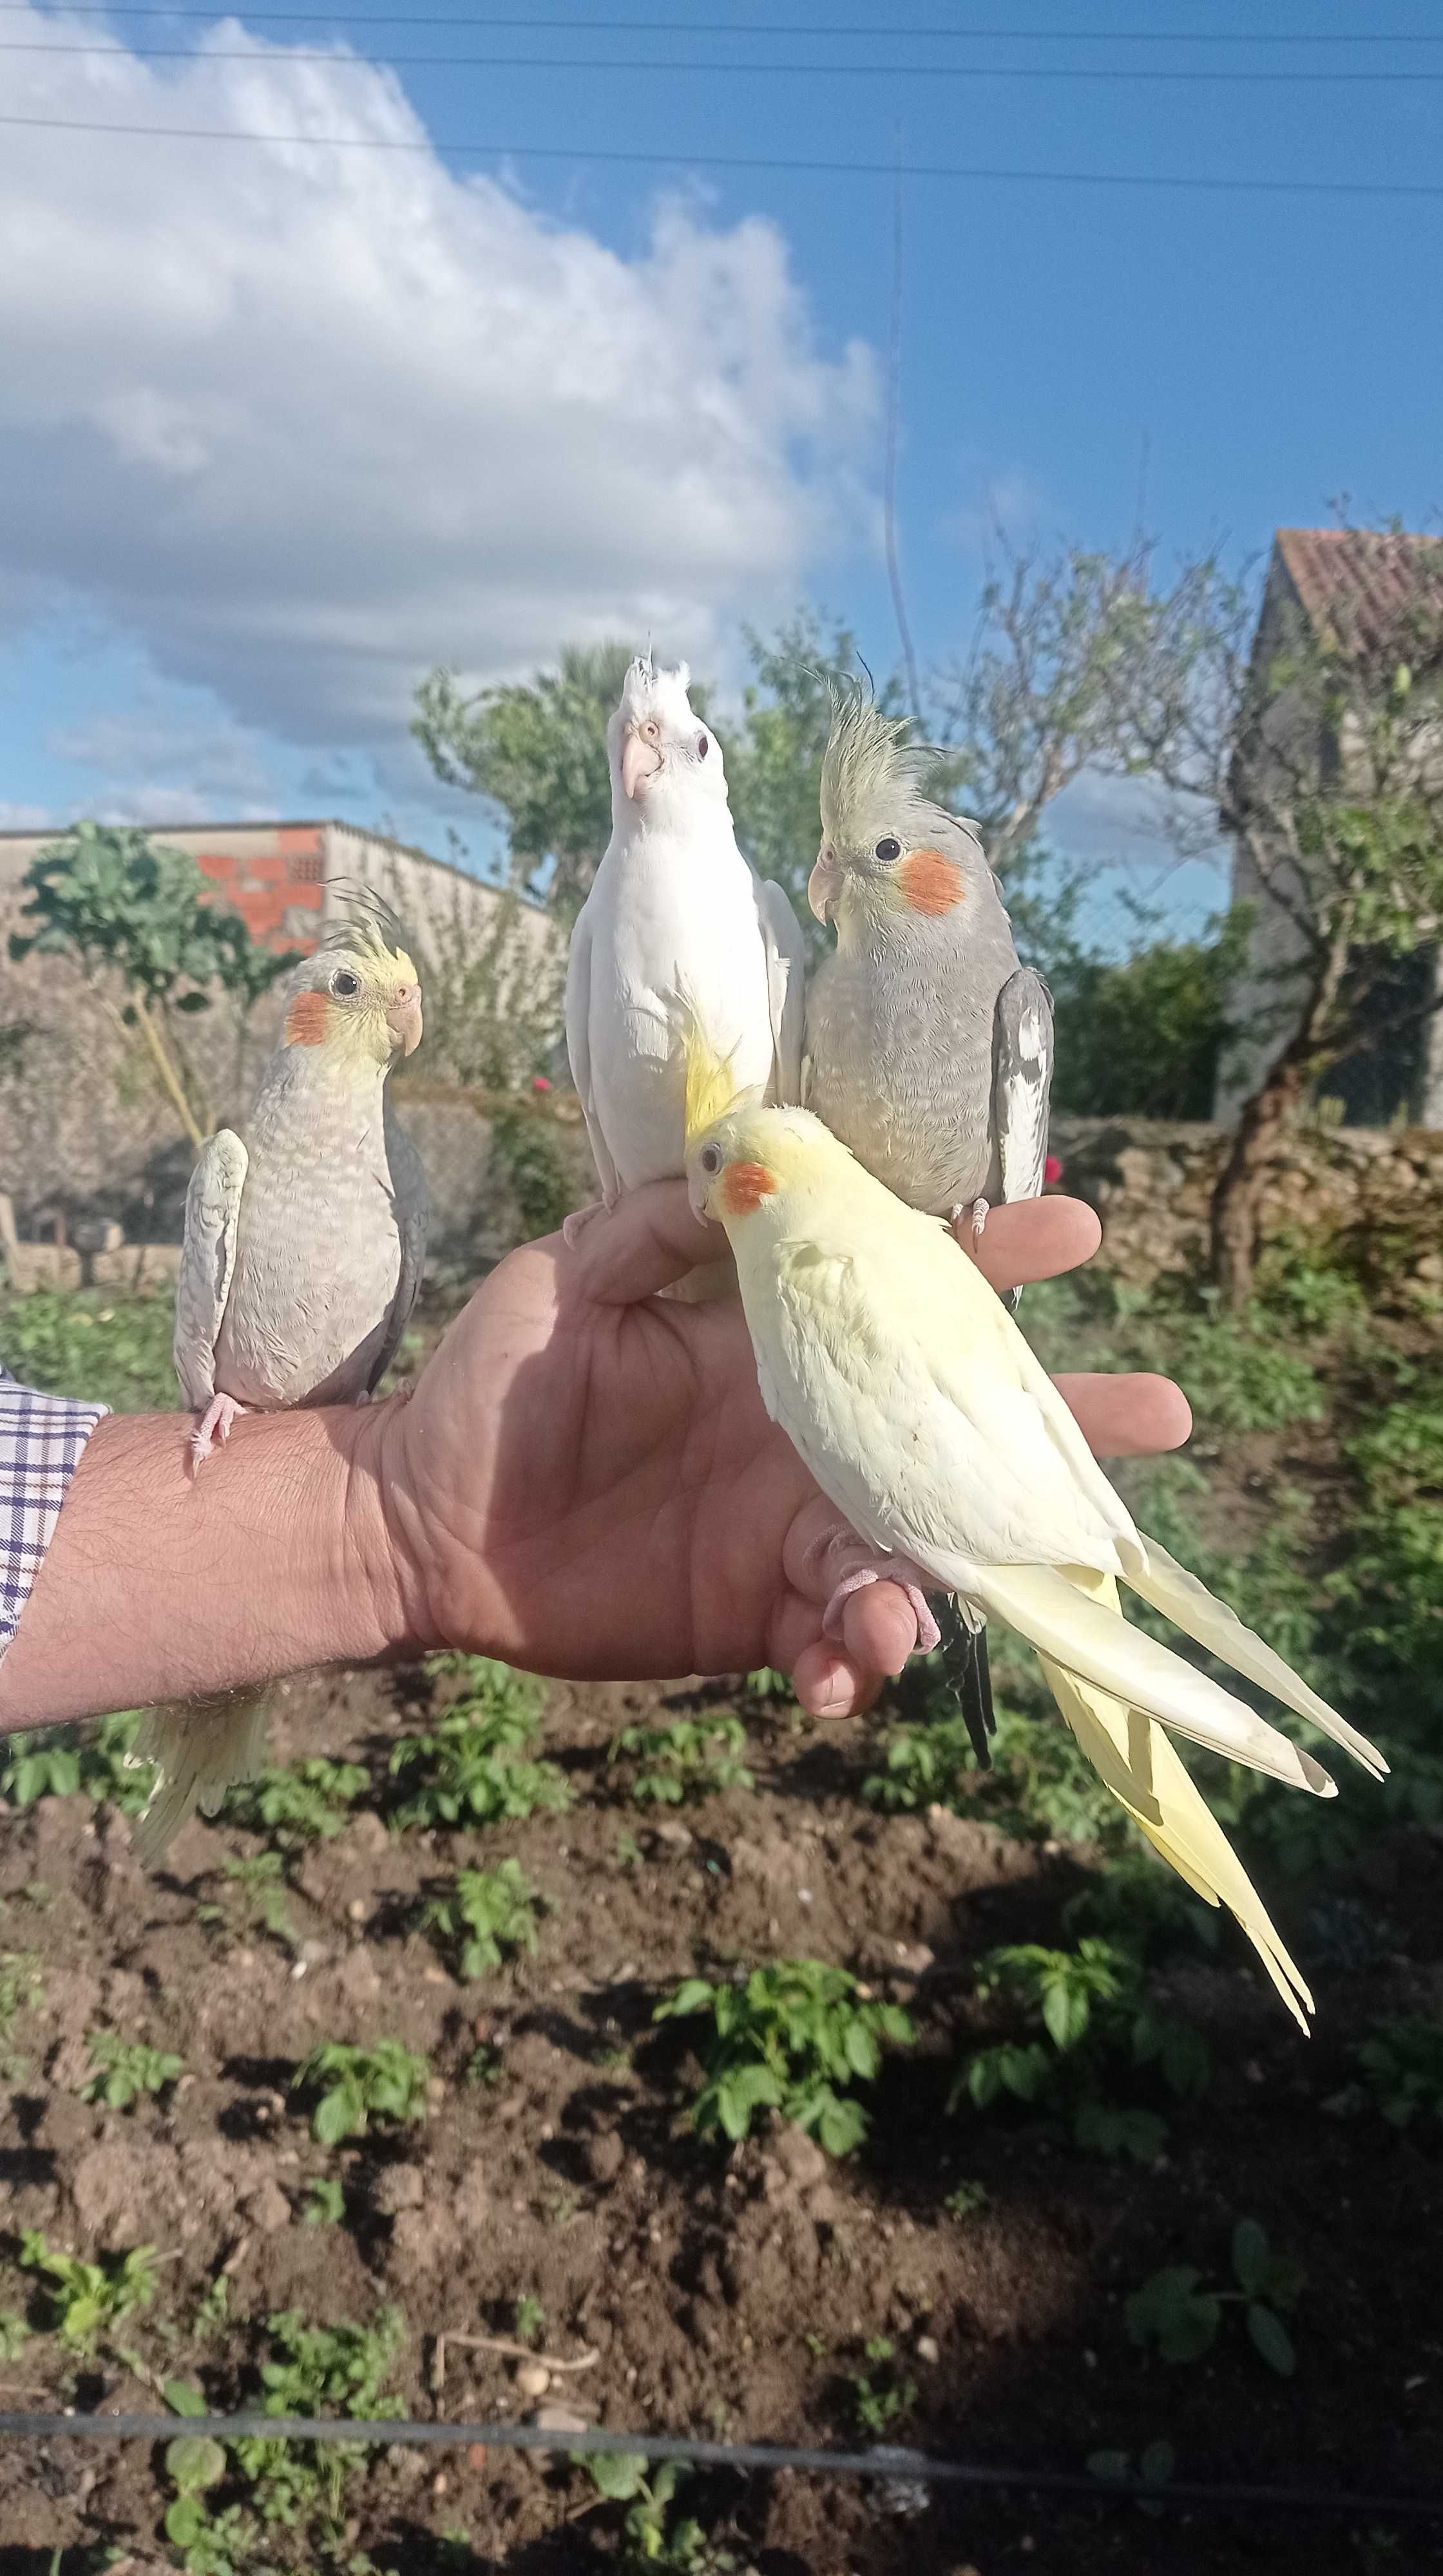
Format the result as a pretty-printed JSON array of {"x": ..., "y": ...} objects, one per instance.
[
  {"x": 631, "y": 64},
  {"x": 467, "y": 149},
  {"x": 1332, "y": 2502},
  {"x": 729, "y": 27}
]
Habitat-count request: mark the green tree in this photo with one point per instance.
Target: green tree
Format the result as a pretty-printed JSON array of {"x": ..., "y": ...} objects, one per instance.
[
  {"x": 133, "y": 910},
  {"x": 536, "y": 748},
  {"x": 1136, "y": 1035}
]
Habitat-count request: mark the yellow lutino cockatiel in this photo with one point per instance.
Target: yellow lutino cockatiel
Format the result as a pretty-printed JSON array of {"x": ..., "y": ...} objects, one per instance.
[{"x": 901, "y": 1379}]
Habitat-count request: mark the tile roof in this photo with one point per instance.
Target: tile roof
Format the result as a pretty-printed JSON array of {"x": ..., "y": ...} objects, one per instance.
[{"x": 1365, "y": 576}]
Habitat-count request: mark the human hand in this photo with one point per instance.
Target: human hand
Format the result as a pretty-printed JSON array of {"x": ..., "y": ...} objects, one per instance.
[{"x": 584, "y": 1481}]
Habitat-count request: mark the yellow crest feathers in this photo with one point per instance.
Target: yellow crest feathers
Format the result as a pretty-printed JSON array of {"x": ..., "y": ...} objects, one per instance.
[{"x": 711, "y": 1086}]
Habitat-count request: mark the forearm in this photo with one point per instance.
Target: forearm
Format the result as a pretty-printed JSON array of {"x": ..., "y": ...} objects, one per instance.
[{"x": 160, "y": 1586}]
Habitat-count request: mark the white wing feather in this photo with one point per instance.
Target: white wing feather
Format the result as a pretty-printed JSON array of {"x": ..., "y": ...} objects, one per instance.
[{"x": 212, "y": 1212}]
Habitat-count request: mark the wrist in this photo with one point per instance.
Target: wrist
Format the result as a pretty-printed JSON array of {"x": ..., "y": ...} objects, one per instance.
[{"x": 384, "y": 1581}]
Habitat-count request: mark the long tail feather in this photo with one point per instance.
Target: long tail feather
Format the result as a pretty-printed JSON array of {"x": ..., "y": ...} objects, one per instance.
[
  {"x": 201, "y": 1748},
  {"x": 1093, "y": 1641},
  {"x": 1190, "y": 1606}
]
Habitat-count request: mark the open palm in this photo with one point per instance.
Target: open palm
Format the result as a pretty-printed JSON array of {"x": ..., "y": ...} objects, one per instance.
[{"x": 584, "y": 1480}]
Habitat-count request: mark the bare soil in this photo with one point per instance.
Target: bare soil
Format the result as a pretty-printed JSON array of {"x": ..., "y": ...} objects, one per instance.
[{"x": 725, "y": 2294}]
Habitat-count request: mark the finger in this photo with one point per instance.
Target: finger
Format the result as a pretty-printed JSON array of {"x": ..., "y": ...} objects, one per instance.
[
  {"x": 829, "y": 1684},
  {"x": 1127, "y": 1417},
  {"x": 645, "y": 1242},
  {"x": 1033, "y": 1239},
  {"x": 879, "y": 1626}
]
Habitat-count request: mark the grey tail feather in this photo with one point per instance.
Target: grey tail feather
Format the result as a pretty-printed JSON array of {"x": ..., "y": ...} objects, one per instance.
[
  {"x": 200, "y": 1747},
  {"x": 965, "y": 1663}
]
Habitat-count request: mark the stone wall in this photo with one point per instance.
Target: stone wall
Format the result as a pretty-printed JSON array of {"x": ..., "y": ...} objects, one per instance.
[{"x": 1371, "y": 1198}]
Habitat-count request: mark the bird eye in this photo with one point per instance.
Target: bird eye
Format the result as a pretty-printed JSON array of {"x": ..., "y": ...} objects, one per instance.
[
  {"x": 888, "y": 850},
  {"x": 711, "y": 1159},
  {"x": 344, "y": 984},
  {"x": 703, "y": 746}
]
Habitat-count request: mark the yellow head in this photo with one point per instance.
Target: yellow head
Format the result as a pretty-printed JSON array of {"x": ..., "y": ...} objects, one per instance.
[
  {"x": 891, "y": 859},
  {"x": 358, "y": 998},
  {"x": 740, "y": 1156}
]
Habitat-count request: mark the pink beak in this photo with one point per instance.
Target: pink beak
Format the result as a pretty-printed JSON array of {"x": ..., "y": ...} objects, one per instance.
[
  {"x": 403, "y": 1019},
  {"x": 640, "y": 761},
  {"x": 824, "y": 884}
]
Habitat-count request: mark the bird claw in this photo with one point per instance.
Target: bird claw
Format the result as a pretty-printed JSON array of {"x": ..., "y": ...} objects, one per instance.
[
  {"x": 976, "y": 1216},
  {"x": 214, "y": 1425},
  {"x": 909, "y": 1580},
  {"x": 575, "y": 1225}
]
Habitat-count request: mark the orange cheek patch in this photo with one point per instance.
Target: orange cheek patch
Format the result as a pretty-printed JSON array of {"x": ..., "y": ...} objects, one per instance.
[
  {"x": 306, "y": 1020},
  {"x": 745, "y": 1187},
  {"x": 931, "y": 883}
]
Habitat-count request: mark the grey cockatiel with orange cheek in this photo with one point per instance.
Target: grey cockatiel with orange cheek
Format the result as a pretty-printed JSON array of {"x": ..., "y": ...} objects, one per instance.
[
  {"x": 305, "y": 1236},
  {"x": 928, "y": 1047}
]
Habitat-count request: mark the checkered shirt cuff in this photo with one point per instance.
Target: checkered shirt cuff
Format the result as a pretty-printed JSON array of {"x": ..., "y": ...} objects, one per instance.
[{"x": 41, "y": 1438}]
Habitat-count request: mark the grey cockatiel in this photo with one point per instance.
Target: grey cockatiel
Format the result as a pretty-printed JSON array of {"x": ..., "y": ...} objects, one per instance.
[
  {"x": 304, "y": 1241},
  {"x": 676, "y": 926},
  {"x": 928, "y": 1047}
]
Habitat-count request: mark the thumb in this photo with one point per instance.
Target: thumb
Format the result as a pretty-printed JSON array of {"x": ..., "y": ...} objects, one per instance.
[{"x": 646, "y": 1241}]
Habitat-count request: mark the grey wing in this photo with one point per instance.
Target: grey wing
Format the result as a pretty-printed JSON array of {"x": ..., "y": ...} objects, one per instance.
[
  {"x": 411, "y": 1200},
  {"x": 212, "y": 1212},
  {"x": 1021, "y": 1081},
  {"x": 578, "y": 1049},
  {"x": 786, "y": 977}
]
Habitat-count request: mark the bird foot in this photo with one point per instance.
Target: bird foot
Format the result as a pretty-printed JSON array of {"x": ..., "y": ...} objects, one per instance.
[
  {"x": 575, "y": 1225},
  {"x": 976, "y": 1217},
  {"x": 909, "y": 1578},
  {"x": 214, "y": 1425}
]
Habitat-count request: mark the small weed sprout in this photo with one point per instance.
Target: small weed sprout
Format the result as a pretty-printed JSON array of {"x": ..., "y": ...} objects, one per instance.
[
  {"x": 649, "y": 2538},
  {"x": 255, "y": 1891},
  {"x": 309, "y": 1803},
  {"x": 318, "y": 2370},
  {"x": 528, "y": 2319},
  {"x": 14, "y": 2335},
  {"x": 123, "y": 2069},
  {"x": 690, "y": 1758},
  {"x": 794, "y": 2038},
  {"x": 354, "y": 2086},
  {"x": 966, "y": 2198},
  {"x": 325, "y": 2202},
  {"x": 879, "y": 2396},
  {"x": 488, "y": 1912},
  {"x": 22, "y": 1990}
]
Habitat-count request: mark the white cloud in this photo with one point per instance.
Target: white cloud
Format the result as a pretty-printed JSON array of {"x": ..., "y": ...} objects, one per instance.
[{"x": 302, "y": 421}]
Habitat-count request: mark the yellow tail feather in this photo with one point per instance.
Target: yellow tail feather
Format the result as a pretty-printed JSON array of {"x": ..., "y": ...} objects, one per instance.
[{"x": 201, "y": 1748}]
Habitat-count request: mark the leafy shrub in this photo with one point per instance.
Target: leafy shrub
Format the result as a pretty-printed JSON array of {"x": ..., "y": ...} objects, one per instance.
[
  {"x": 123, "y": 2069},
  {"x": 1237, "y": 1376},
  {"x": 468, "y": 1765},
  {"x": 692, "y": 1757},
  {"x": 309, "y": 1802},
  {"x": 103, "y": 1763},
  {"x": 115, "y": 1353},
  {"x": 88, "y": 2298},
  {"x": 1177, "y": 2311},
  {"x": 1095, "y": 2026},
  {"x": 1041, "y": 1784},
  {"x": 1402, "y": 2065},
  {"x": 487, "y": 1913},
  {"x": 794, "y": 2038},
  {"x": 354, "y": 2086}
]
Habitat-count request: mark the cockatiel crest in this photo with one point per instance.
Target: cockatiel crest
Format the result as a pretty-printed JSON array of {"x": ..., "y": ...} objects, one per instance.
[
  {"x": 712, "y": 1089},
  {"x": 882, "y": 837},
  {"x": 661, "y": 751}
]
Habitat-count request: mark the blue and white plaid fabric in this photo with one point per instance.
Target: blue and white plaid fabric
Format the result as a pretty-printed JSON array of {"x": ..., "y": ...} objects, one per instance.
[{"x": 41, "y": 1438}]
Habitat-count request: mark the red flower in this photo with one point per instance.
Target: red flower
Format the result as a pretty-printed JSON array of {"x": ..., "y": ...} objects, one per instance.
[
  {"x": 1052, "y": 1171},
  {"x": 540, "y": 1083}
]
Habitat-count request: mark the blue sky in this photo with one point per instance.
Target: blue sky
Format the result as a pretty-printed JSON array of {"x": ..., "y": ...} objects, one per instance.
[{"x": 1072, "y": 355}]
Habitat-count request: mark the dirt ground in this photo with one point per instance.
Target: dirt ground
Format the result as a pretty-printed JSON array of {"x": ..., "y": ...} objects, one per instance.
[{"x": 726, "y": 2294}]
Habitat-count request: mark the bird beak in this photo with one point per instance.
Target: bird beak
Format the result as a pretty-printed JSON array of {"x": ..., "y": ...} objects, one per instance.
[
  {"x": 640, "y": 762},
  {"x": 824, "y": 884},
  {"x": 696, "y": 1196},
  {"x": 403, "y": 1018}
]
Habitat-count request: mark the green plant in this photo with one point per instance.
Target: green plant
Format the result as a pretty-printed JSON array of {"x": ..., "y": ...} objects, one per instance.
[
  {"x": 354, "y": 2086},
  {"x": 689, "y": 1758},
  {"x": 258, "y": 1887},
  {"x": 1402, "y": 2063},
  {"x": 926, "y": 1766},
  {"x": 114, "y": 1352},
  {"x": 1095, "y": 2025},
  {"x": 317, "y": 2370},
  {"x": 966, "y": 2198},
  {"x": 308, "y": 1803},
  {"x": 87, "y": 2299},
  {"x": 123, "y": 2069},
  {"x": 528, "y": 2318},
  {"x": 793, "y": 2038},
  {"x": 488, "y": 1912},
  {"x": 194, "y": 2464},
  {"x": 36, "y": 1767},
  {"x": 1178, "y": 2312},
  {"x": 21, "y": 1991},
  {"x": 649, "y": 2539},
  {"x": 14, "y": 2335},
  {"x": 767, "y": 1683},
  {"x": 212, "y": 2314},
  {"x": 469, "y": 1765},
  {"x": 1150, "y": 2471},
  {"x": 325, "y": 2202},
  {"x": 878, "y": 2398},
  {"x": 485, "y": 2069}
]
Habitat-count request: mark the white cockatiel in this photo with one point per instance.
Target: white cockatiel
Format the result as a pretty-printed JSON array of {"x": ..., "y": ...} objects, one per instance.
[
  {"x": 674, "y": 910},
  {"x": 909, "y": 1392}
]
